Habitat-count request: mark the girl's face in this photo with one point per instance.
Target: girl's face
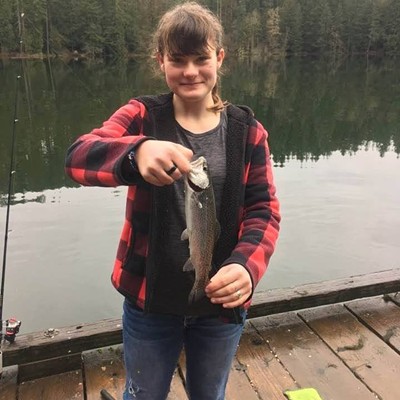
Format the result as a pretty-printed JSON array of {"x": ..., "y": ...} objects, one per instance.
[{"x": 192, "y": 77}]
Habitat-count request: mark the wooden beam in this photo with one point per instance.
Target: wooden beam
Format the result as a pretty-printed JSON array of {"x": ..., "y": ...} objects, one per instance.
[
  {"x": 323, "y": 293},
  {"x": 52, "y": 366},
  {"x": 38, "y": 346},
  {"x": 62, "y": 342}
]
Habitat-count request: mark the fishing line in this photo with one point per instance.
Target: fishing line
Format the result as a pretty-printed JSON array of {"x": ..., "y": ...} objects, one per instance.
[
  {"x": 14, "y": 327},
  {"x": 9, "y": 193}
]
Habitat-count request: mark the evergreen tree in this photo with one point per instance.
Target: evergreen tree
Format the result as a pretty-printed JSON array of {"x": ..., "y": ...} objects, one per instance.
[
  {"x": 392, "y": 34},
  {"x": 291, "y": 26},
  {"x": 251, "y": 30},
  {"x": 273, "y": 32},
  {"x": 377, "y": 27},
  {"x": 112, "y": 35},
  {"x": 8, "y": 37},
  {"x": 33, "y": 21},
  {"x": 112, "y": 28}
]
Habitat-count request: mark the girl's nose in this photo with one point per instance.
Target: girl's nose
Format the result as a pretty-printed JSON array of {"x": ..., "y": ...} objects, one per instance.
[{"x": 190, "y": 70}]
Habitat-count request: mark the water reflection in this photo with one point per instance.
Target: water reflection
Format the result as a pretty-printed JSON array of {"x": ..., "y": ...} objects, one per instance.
[{"x": 310, "y": 108}]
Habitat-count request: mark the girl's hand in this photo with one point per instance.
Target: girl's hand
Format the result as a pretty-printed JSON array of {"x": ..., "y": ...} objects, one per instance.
[
  {"x": 231, "y": 286},
  {"x": 161, "y": 163}
]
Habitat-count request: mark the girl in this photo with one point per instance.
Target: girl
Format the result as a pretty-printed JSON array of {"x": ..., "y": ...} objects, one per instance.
[{"x": 148, "y": 145}]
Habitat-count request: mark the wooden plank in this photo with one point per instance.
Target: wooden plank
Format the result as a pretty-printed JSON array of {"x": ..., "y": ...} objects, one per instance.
[
  {"x": 104, "y": 369},
  {"x": 239, "y": 386},
  {"x": 395, "y": 297},
  {"x": 67, "y": 386},
  {"x": 322, "y": 293},
  {"x": 8, "y": 383},
  {"x": 382, "y": 316},
  {"x": 52, "y": 366},
  {"x": 38, "y": 346},
  {"x": 369, "y": 357},
  {"x": 308, "y": 359},
  {"x": 266, "y": 374}
]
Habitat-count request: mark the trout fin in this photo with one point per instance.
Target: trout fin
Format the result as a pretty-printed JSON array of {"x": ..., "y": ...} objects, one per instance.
[
  {"x": 185, "y": 235},
  {"x": 196, "y": 294},
  {"x": 188, "y": 265}
]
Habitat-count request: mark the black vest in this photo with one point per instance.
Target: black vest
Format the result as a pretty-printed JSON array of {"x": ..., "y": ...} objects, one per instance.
[{"x": 168, "y": 287}]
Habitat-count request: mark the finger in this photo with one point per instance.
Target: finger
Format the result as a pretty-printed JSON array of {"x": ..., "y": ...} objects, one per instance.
[
  {"x": 162, "y": 173},
  {"x": 223, "y": 289},
  {"x": 171, "y": 170},
  {"x": 223, "y": 280},
  {"x": 234, "y": 300},
  {"x": 182, "y": 163},
  {"x": 233, "y": 291},
  {"x": 185, "y": 151},
  {"x": 154, "y": 180},
  {"x": 158, "y": 177}
]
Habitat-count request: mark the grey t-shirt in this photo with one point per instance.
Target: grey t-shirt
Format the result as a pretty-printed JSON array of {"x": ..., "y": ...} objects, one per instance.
[{"x": 212, "y": 146}]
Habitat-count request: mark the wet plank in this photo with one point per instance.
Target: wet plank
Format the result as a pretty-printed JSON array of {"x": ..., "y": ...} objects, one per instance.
[
  {"x": 382, "y": 316},
  {"x": 8, "y": 383},
  {"x": 66, "y": 386},
  {"x": 104, "y": 369},
  {"x": 266, "y": 374},
  {"x": 309, "y": 360},
  {"x": 368, "y": 356},
  {"x": 239, "y": 386}
]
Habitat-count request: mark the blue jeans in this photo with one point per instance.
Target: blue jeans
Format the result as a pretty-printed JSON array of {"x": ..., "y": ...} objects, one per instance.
[{"x": 152, "y": 345}]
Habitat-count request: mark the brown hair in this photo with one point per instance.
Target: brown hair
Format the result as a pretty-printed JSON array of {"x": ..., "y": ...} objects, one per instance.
[{"x": 190, "y": 29}]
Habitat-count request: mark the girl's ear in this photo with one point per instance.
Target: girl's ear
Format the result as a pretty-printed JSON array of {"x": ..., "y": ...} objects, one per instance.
[
  {"x": 160, "y": 60},
  {"x": 220, "y": 57}
]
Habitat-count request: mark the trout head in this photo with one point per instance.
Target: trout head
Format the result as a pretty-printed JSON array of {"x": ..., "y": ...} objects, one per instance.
[{"x": 198, "y": 177}]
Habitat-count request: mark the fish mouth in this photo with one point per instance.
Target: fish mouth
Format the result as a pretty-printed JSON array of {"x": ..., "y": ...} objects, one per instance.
[
  {"x": 197, "y": 178},
  {"x": 194, "y": 187}
]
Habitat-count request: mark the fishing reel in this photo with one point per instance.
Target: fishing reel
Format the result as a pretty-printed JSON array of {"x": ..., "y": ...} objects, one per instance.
[{"x": 12, "y": 326}]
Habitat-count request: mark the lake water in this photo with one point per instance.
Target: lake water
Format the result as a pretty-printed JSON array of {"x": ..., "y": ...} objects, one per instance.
[{"x": 335, "y": 140}]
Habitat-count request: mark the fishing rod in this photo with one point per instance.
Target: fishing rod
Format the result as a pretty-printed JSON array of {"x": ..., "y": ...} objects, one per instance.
[{"x": 11, "y": 325}]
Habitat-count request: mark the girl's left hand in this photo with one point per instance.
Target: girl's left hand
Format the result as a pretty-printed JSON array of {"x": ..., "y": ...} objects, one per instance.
[{"x": 231, "y": 286}]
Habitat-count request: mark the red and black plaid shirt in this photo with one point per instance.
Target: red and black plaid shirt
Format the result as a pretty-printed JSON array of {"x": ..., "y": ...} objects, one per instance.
[{"x": 97, "y": 159}]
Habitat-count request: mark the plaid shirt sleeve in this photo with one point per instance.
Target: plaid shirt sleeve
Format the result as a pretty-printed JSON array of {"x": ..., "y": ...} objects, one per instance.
[
  {"x": 99, "y": 158},
  {"x": 260, "y": 223}
]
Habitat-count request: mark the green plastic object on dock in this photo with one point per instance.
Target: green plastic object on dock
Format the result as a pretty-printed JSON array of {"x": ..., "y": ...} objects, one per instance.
[{"x": 303, "y": 394}]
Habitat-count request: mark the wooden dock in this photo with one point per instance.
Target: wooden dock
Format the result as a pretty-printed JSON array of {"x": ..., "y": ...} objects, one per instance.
[{"x": 346, "y": 351}]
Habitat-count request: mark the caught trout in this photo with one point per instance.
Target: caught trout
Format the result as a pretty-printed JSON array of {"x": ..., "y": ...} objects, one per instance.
[{"x": 202, "y": 228}]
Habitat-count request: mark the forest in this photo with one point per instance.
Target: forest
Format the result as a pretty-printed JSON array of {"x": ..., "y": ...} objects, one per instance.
[{"x": 257, "y": 28}]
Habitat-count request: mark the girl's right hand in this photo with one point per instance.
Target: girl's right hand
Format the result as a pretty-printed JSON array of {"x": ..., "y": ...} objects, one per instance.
[{"x": 155, "y": 158}]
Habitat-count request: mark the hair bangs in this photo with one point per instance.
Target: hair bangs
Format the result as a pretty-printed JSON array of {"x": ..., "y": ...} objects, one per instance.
[{"x": 189, "y": 39}]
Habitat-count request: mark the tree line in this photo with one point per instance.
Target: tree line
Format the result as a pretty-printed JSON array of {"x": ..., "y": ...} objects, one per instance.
[{"x": 257, "y": 28}]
